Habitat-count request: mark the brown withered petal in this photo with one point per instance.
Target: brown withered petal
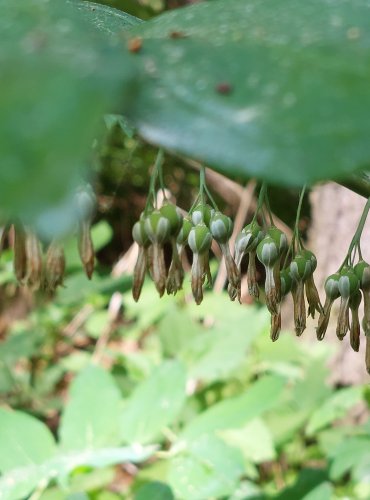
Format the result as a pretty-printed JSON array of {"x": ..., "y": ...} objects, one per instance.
[
  {"x": 273, "y": 288},
  {"x": 343, "y": 318},
  {"x": 175, "y": 276},
  {"x": 275, "y": 326},
  {"x": 366, "y": 318},
  {"x": 149, "y": 261},
  {"x": 55, "y": 264},
  {"x": 354, "y": 305},
  {"x": 313, "y": 298},
  {"x": 4, "y": 236},
  {"x": 34, "y": 273},
  {"x": 233, "y": 274},
  {"x": 20, "y": 257},
  {"x": 253, "y": 288},
  {"x": 324, "y": 319},
  {"x": 367, "y": 354},
  {"x": 86, "y": 248},
  {"x": 158, "y": 268},
  {"x": 299, "y": 308},
  {"x": 139, "y": 273},
  {"x": 199, "y": 272}
]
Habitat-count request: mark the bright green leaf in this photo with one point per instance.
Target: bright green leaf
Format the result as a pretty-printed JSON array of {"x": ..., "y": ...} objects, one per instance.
[
  {"x": 207, "y": 469},
  {"x": 154, "y": 491},
  {"x": 322, "y": 492},
  {"x": 347, "y": 455},
  {"x": 335, "y": 407},
  {"x": 254, "y": 440},
  {"x": 59, "y": 75},
  {"x": 24, "y": 441},
  {"x": 91, "y": 417},
  {"x": 237, "y": 411},
  {"x": 154, "y": 404},
  {"x": 106, "y": 19},
  {"x": 277, "y": 90}
]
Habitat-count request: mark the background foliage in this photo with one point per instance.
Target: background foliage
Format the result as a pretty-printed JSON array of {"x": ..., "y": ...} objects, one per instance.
[{"x": 165, "y": 399}]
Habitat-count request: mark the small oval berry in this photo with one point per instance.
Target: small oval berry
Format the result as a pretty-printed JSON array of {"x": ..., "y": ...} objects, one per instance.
[
  {"x": 331, "y": 286},
  {"x": 200, "y": 238},
  {"x": 202, "y": 213},
  {"x": 362, "y": 270},
  {"x": 221, "y": 227},
  {"x": 157, "y": 227},
  {"x": 139, "y": 234},
  {"x": 173, "y": 214},
  {"x": 267, "y": 251},
  {"x": 182, "y": 237},
  {"x": 279, "y": 237},
  {"x": 300, "y": 268},
  {"x": 348, "y": 282},
  {"x": 286, "y": 281}
]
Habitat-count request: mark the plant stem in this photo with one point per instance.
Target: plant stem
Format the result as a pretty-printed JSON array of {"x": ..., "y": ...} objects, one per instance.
[
  {"x": 157, "y": 171},
  {"x": 357, "y": 236}
]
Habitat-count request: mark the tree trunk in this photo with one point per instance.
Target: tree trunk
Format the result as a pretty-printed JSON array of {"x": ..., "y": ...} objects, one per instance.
[{"x": 336, "y": 212}]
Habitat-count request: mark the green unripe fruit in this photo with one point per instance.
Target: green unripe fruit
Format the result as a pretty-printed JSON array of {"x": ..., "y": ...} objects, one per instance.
[
  {"x": 279, "y": 237},
  {"x": 139, "y": 234},
  {"x": 200, "y": 238},
  {"x": 267, "y": 251},
  {"x": 182, "y": 237},
  {"x": 85, "y": 201},
  {"x": 157, "y": 227},
  {"x": 202, "y": 213},
  {"x": 173, "y": 214},
  {"x": 248, "y": 239},
  {"x": 362, "y": 270},
  {"x": 286, "y": 281},
  {"x": 221, "y": 227},
  {"x": 300, "y": 268},
  {"x": 307, "y": 254},
  {"x": 331, "y": 286},
  {"x": 348, "y": 282}
]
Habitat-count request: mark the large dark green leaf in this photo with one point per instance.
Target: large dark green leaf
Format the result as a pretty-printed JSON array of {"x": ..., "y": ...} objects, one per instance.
[
  {"x": 58, "y": 75},
  {"x": 106, "y": 19},
  {"x": 279, "y": 90}
]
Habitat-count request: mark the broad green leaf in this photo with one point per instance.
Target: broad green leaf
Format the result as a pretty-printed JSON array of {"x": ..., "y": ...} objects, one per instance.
[
  {"x": 154, "y": 404},
  {"x": 322, "y": 492},
  {"x": 335, "y": 407},
  {"x": 277, "y": 90},
  {"x": 59, "y": 75},
  {"x": 18, "y": 483},
  {"x": 207, "y": 469},
  {"x": 307, "y": 481},
  {"x": 25, "y": 441},
  {"x": 254, "y": 440},
  {"x": 154, "y": 491},
  {"x": 91, "y": 417},
  {"x": 347, "y": 455},
  {"x": 237, "y": 411},
  {"x": 108, "y": 20}
]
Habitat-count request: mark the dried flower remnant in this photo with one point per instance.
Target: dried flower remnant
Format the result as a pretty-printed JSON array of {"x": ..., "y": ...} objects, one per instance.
[
  {"x": 221, "y": 228},
  {"x": 85, "y": 202},
  {"x": 348, "y": 285},
  {"x": 354, "y": 304},
  {"x": 200, "y": 240},
  {"x": 34, "y": 260},
  {"x": 268, "y": 255},
  {"x": 175, "y": 276},
  {"x": 300, "y": 270},
  {"x": 19, "y": 252},
  {"x": 158, "y": 228},
  {"x": 332, "y": 293},
  {"x": 55, "y": 265},
  {"x": 141, "y": 238}
]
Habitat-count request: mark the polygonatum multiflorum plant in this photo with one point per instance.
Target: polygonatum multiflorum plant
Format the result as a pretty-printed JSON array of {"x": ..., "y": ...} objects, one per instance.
[{"x": 289, "y": 267}]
